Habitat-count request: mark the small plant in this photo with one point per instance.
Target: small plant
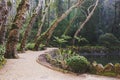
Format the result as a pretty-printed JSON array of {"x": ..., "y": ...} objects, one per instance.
[
  {"x": 30, "y": 46},
  {"x": 2, "y": 51},
  {"x": 81, "y": 40},
  {"x": 60, "y": 41},
  {"x": 18, "y": 47},
  {"x": 78, "y": 64},
  {"x": 65, "y": 37}
]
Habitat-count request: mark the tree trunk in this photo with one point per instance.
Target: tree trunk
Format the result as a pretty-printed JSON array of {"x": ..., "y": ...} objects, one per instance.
[
  {"x": 3, "y": 20},
  {"x": 87, "y": 19},
  {"x": 29, "y": 27},
  {"x": 42, "y": 21},
  {"x": 47, "y": 35},
  {"x": 13, "y": 36}
]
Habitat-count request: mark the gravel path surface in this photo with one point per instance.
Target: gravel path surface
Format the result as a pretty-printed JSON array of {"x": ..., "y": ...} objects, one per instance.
[{"x": 26, "y": 68}]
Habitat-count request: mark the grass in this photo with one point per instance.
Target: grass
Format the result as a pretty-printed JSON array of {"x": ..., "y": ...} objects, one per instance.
[
  {"x": 2, "y": 64},
  {"x": 110, "y": 74}
]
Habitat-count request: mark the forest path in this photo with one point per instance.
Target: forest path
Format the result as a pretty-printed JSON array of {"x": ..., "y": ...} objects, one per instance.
[{"x": 26, "y": 68}]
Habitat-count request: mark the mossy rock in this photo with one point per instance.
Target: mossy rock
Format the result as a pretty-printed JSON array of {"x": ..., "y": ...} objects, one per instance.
[
  {"x": 99, "y": 68},
  {"x": 117, "y": 68},
  {"x": 109, "y": 67}
]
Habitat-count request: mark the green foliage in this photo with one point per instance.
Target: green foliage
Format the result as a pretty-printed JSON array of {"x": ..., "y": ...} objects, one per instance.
[
  {"x": 30, "y": 46},
  {"x": 60, "y": 41},
  {"x": 81, "y": 40},
  {"x": 2, "y": 51},
  {"x": 91, "y": 49},
  {"x": 18, "y": 47},
  {"x": 78, "y": 64},
  {"x": 9, "y": 3},
  {"x": 65, "y": 37},
  {"x": 108, "y": 39},
  {"x": 59, "y": 58},
  {"x": 111, "y": 74},
  {"x": 117, "y": 68}
]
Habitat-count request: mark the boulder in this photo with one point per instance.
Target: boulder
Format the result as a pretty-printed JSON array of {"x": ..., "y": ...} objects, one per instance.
[
  {"x": 99, "y": 68},
  {"x": 109, "y": 67},
  {"x": 117, "y": 68}
]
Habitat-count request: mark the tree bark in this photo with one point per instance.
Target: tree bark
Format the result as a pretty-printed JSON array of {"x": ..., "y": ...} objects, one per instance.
[
  {"x": 3, "y": 19},
  {"x": 42, "y": 21},
  {"x": 29, "y": 27},
  {"x": 47, "y": 35},
  {"x": 13, "y": 36},
  {"x": 87, "y": 19}
]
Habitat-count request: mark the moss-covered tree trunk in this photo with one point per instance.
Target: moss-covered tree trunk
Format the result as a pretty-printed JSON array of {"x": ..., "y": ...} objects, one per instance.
[
  {"x": 47, "y": 35},
  {"x": 13, "y": 36},
  {"x": 3, "y": 19},
  {"x": 90, "y": 13},
  {"x": 29, "y": 27}
]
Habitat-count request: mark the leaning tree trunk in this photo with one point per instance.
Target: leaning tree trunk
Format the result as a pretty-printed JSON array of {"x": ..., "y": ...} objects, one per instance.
[
  {"x": 87, "y": 19},
  {"x": 42, "y": 21},
  {"x": 3, "y": 19},
  {"x": 47, "y": 35},
  {"x": 13, "y": 36},
  {"x": 29, "y": 27}
]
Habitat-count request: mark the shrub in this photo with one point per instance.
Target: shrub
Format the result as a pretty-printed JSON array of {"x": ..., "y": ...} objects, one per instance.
[
  {"x": 2, "y": 51},
  {"x": 30, "y": 46},
  {"x": 78, "y": 64},
  {"x": 117, "y": 68},
  {"x": 81, "y": 40},
  {"x": 18, "y": 47},
  {"x": 59, "y": 57},
  {"x": 108, "y": 39},
  {"x": 91, "y": 49}
]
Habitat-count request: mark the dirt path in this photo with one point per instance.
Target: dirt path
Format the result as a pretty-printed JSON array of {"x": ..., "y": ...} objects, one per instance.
[{"x": 26, "y": 68}]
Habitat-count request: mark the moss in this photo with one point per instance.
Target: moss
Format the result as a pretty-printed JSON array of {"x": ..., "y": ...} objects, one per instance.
[
  {"x": 9, "y": 3},
  {"x": 2, "y": 63},
  {"x": 111, "y": 74}
]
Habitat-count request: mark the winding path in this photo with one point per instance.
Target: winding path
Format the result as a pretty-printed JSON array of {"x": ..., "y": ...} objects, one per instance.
[{"x": 26, "y": 68}]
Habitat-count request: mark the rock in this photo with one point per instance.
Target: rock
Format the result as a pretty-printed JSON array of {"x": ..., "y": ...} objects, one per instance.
[
  {"x": 94, "y": 64},
  {"x": 117, "y": 68},
  {"x": 99, "y": 68},
  {"x": 109, "y": 67}
]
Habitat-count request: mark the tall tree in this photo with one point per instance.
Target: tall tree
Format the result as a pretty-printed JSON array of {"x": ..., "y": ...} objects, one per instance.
[
  {"x": 29, "y": 27},
  {"x": 13, "y": 36},
  {"x": 90, "y": 13},
  {"x": 3, "y": 19},
  {"x": 47, "y": 35},
  {"x": 45, "y": 12}
]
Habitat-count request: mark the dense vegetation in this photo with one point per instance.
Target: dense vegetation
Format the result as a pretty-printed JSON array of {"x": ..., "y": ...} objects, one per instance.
[{"x": 91, "y": 26}]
